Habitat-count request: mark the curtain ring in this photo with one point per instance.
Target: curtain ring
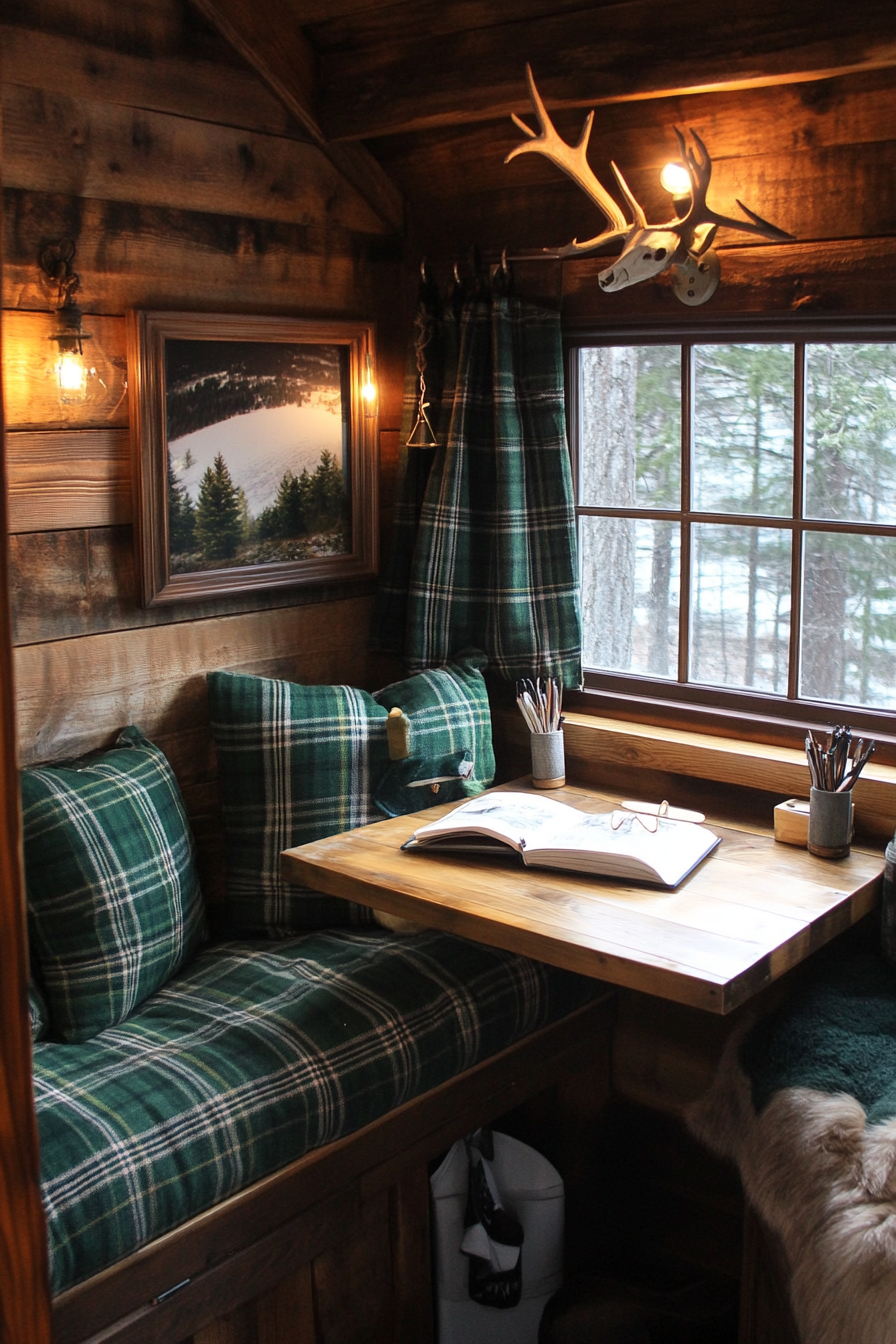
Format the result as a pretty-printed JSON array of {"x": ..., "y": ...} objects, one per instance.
[
  {"x": 456, "y": 274},
  {"x": 504, "y": 266},
  {"x": 423, "y": 269}
]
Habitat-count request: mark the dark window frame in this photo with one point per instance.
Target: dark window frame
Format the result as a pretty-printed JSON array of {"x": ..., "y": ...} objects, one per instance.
[{"x": 752, "y": 716}]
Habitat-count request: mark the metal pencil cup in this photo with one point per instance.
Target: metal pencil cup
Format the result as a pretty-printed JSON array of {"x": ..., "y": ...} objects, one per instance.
[
  {"x": 830, "y": 823},
  {"x": 548, "y": 764}
]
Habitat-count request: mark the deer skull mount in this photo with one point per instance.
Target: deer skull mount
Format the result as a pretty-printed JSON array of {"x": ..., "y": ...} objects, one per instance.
[{"x": 684, "y": 244}]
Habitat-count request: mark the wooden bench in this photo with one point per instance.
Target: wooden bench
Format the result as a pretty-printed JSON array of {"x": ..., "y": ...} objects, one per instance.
[
  {"x": 262, "y": 1265},
  {"x": 365, "y": 1195}
]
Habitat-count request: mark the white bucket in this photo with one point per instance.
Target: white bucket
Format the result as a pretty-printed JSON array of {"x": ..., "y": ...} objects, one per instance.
[{"x": 531, "y": 1189}]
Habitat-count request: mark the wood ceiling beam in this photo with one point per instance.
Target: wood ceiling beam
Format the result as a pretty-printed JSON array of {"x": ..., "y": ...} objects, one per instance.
[
  {"x": 621, "y": 52},
  {"x": 269, "y": 38}
]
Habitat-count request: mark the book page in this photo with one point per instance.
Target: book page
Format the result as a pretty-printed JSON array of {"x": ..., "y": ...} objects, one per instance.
[
  {"x": 519, "y": 819},
  {"x": 665, "y": 855}
]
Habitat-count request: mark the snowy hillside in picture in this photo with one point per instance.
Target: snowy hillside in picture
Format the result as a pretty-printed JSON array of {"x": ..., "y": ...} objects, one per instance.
[{"x": 257, "y": 452}]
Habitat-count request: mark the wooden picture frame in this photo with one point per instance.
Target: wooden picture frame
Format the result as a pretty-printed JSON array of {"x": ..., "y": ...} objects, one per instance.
[{"x": 297, "y": 502}]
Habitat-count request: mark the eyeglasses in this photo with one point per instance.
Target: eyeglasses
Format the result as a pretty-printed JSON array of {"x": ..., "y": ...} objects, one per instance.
[{"x": 649, "y": 820}]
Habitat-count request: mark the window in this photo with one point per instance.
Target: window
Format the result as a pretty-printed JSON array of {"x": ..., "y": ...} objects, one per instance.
[{"x": 737, "y": 521}]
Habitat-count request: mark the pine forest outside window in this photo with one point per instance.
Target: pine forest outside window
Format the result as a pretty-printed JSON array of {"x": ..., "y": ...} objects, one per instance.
[{"x": 737, "y": 521}]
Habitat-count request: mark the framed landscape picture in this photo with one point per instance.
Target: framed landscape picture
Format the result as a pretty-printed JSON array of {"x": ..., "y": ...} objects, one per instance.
[{"x": 254, "y": 454}]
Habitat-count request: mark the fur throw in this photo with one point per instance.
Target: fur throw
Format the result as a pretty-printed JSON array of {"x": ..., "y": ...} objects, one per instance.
[{"x": 825, "y": 1182}]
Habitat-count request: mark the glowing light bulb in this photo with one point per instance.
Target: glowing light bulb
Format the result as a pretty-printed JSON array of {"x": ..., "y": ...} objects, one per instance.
[
  {"x": 368, "y": 389},
  {"x": 676, "y": 179},
  {"x": 71, "y": 375}
]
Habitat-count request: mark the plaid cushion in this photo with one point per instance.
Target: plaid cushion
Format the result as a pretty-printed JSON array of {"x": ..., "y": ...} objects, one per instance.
[
  {"x": 253, "y": 1055},
  {"x": 114, "y": 906},
  {"x": 297, "y": 763},
  {"x": 448, "y": 709}
]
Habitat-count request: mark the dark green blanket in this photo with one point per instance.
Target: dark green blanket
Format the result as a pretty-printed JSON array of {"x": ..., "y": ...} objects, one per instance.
[{"x": 835, "y": 1034}]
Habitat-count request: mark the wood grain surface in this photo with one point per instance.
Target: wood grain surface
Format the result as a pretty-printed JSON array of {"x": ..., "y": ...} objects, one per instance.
[
  {"x": 161, "y": 83},
  {"x": 75, "y": 695},
  {"x": 68, "y": 479},
  {"x": 55, "y": 142},
  {"x": 610, "y": 53},
  {"x": 143, "y": 256},
  {"x": 29, "y": 380},
  {"x": 594, "y": 743},
  {"x": 750, "y": 912}
]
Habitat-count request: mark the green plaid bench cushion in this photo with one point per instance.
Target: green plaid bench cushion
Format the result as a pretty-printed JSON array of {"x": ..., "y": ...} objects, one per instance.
[{"x": 252, "y": 1056}]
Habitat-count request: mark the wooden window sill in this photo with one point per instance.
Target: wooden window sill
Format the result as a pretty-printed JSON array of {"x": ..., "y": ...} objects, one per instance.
[{"x": 593, "y": 742}]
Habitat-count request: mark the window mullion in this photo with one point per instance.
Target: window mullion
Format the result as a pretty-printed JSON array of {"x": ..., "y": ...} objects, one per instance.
[
  {"x": 796, "y": 544},
  {"x": 687, "y": 438}
]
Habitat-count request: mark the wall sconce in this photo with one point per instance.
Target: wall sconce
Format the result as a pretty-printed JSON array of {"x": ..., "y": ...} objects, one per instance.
[
  {"x": 369, "y": 388},
  {"x": 70, "y": 368}
]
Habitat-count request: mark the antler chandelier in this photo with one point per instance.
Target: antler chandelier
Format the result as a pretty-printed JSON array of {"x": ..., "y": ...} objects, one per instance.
[{"x": 683, "y": 244}]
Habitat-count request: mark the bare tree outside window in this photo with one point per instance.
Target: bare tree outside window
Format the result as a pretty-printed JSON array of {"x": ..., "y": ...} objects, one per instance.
[{"x": 630, "y": 400}]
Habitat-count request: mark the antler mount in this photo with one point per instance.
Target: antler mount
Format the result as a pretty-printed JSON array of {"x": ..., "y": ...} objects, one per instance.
[{"x": 683, "y": 244}]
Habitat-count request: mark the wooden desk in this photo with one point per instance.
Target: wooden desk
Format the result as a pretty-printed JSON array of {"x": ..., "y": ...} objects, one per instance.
[{"x": 753, "y": 910}]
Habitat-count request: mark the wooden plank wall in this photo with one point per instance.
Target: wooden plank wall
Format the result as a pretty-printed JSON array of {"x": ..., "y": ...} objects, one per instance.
[{"x": 816, "y": 158}]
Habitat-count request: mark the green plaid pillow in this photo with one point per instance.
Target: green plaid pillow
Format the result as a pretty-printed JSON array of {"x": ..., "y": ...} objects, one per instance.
[
  {"x": 114, "y": 906},
  {"x": 297, "y": 763},
  {"x": 448, "y": 709}
]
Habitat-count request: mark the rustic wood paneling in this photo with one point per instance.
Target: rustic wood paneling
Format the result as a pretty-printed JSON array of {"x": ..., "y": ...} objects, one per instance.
[
  {"x": 830, "y": 279},
  {"x": 75, "y": 694},
  {"x": 68, "y": 479},
  {"x": 283, "y": 56},
  {"x": 815, "y": 195},
  {"x": 411, "y": 1257},
  {"x": 287, "y": 1311},
  {"x": 448, "y": 163},
  {"x": 82, "y": 582},
  {"x": 608, "y": 54},
  {"x": 338, "y": 25},
  {"x": 353, "y": 1283},
  {"x": 186, "y": 88},
  {"x": 150, "y": 27},
  {"x": 52, "y": 142},
  {"x": 237, "y": 1327},
  {"x": 32, "y": 394},
  {"x": 140, "y": 256}
]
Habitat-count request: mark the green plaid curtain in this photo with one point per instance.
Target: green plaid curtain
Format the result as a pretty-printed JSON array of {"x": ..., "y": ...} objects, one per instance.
[{"x": 484, "y": 550}]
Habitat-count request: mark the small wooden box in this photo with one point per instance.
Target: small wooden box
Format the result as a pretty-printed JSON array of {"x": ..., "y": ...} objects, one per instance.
[{"x": 792, "y": 822}]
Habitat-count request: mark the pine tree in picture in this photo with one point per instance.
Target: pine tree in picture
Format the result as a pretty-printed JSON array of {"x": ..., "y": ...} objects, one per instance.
[
  {"x": 181, "y": 515},
  {"x": 218, "y": 513}
]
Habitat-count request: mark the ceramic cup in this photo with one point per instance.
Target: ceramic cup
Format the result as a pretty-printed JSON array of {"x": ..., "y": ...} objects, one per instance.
[
  {"x": 548, "y": 764},
  {"x": 830, "y": 823}
]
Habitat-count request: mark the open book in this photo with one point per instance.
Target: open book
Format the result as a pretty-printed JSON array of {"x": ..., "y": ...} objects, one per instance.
[{"x": 549, "y": 834}]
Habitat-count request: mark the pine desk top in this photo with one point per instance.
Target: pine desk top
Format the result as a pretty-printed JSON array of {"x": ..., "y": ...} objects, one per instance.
[{"x": 750, "y": 912}]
